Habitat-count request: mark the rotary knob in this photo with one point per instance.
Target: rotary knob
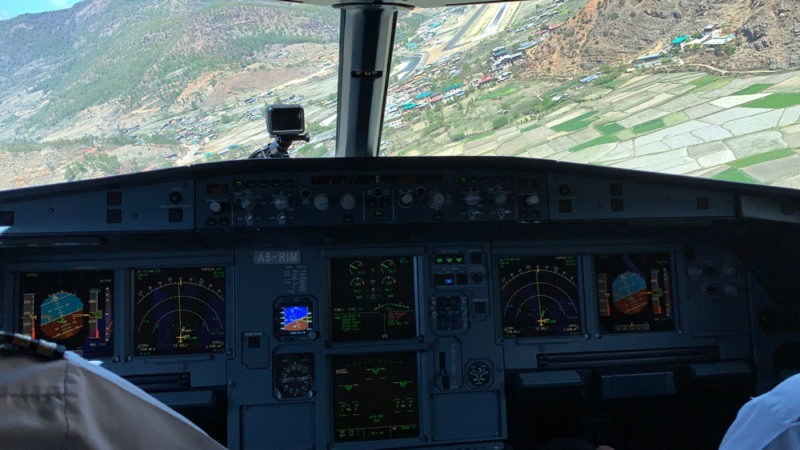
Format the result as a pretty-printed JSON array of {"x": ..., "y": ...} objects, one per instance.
[
  {"x": 471, "y": 198},
  {"x": 249, "y": 202},
  {"x": 532, "y": 200},
  {"x": 436, "y": 199},
  {"x": 347, "y": 201},
  {"x": 280, "y": 201},
  {"x": 405, "y": 199},
  {"x": 321, "y": 202},
  {"x": 215, "y": 207},
  {"x": 500, "y": 198}
]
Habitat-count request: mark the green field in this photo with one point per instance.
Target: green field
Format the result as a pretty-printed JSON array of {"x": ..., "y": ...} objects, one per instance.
[
  {"x": 649, "y": 126},
  {"x": 754, "y": 89},
  {"x": 578, "y": 123},
  {"x": 675, "y": 118},
  {"x": 762, "y": 157},
  {"x": 614, "y": 83},
  {"x": 782, "y": 100},
  {"x": 713, "y": 85},
  {"x": 609, "y": 128},
  {"x": 704, "y": 80},
  {"x": 735, "y": 175},
  {"x": 478, "y": 136},
  {"x": 593, "y": 142},
  {"x": 498, "y": 93}
]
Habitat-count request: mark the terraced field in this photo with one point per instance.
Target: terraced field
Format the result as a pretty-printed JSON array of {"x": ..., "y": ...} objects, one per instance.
[{"x": 738, "y": 129}]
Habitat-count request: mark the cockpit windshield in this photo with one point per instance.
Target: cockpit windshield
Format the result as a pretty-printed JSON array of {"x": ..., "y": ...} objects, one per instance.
[
  {"x": 709, "y": 92},
  {"x": 105, "y": 88}
]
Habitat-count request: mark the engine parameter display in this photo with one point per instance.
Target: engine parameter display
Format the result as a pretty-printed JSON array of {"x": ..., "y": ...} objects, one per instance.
[
  {"x": 540, "y": 296},
  {"x": 375, "y": 397},
  {"x": 373, "y": 298},
  {"x": 634, "y": 292},
  {"x": 74, "y": 309},
  {"x": 179, "y": 311}
]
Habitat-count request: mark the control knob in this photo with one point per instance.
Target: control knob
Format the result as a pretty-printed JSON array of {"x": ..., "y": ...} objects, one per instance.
[
  {"x": 532, "y": 200},
  {"x": 321, "y": 202},
  {"x": 280, "y": 201},
  {"x": 436, "y": 199},
  {"x": 347, "y": 201},
  {"x": 471, "y": 198},
  {"x": 249, "y": 202},
  {"x": 405, "y": 199},
  {"x": 500, "y": 198},
  {"x": 215, "y": 207}
]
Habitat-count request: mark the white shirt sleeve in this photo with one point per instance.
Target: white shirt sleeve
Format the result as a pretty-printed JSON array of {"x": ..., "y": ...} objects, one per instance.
[
  {"x": 764, "y": 419},
  {"x": 70, "y": 403}
]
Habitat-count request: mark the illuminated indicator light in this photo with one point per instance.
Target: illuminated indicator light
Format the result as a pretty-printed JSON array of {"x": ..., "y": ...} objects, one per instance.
[
  {"x": 459, "y": 259},
  {"x": 439, "y": 260},
  {"x": 449, "y": 260}
]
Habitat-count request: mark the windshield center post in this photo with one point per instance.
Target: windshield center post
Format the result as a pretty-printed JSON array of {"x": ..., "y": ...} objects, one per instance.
[{"x": 365, "y": 54}]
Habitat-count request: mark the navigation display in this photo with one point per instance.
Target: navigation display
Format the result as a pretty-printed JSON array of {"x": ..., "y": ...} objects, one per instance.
[
  {"x": 375, "y": 397},
  {"x": 540, "y": 296},
  {"x": 179, "y": 311},
  {"x": 74, "y": 309},
  {"x": 373, "y": 298},
  {"x": 634, "y": 292}
]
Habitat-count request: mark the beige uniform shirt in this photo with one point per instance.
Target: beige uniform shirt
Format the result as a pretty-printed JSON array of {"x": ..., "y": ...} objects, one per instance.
[{"x": 70, "y": 403}]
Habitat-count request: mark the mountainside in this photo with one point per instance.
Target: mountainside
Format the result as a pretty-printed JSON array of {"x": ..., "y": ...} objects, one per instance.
[
  {"x": 109, "y": 57},
  {"x": 618, "y": 31}
]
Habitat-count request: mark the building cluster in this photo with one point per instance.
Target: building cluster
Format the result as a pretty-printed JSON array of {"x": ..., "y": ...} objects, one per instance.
[{"x": 711, "y": 37}]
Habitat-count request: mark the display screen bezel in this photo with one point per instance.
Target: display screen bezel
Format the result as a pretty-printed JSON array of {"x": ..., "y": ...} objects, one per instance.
[
  {"x": 107, "y": 352},
  {"x": 420, "y": 414},
  {"x": 673, "y": 284},
  {"x": 132, "y": 342},
  {"x": 580, "y": 287},
  {"x": 414, "y": 292}
]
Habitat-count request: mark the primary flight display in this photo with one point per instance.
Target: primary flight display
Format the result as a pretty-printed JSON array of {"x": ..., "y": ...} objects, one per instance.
[{"x": 71, "y": 308}]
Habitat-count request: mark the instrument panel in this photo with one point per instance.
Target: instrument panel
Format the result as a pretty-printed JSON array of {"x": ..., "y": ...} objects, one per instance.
[{"x": 338, "y": 308}]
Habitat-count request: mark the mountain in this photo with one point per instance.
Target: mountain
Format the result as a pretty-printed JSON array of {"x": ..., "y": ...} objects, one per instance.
[
  {"x": 618, "y": 31},
  {"x": 104, "y": 57}
]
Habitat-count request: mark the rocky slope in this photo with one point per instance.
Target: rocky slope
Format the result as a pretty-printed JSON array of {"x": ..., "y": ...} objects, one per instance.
[
  {"x": 112, "y": 57},
  {"x": 618, "y": 31}
]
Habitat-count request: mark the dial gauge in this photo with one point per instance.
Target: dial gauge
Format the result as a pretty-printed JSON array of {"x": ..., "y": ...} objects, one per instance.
[
  {"x": 294, "y": 375},
  {"x": 479, "y": 373}
]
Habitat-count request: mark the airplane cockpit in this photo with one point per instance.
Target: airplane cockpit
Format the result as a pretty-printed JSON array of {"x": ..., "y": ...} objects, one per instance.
[{"x": 366, "y": 302}]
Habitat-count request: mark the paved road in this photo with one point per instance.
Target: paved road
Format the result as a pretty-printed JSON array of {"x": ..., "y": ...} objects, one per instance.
[
  {"x": 494, "y": 25},
  {"x": 411, "y": 63},
  {"x": 452, "y": 44}
]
